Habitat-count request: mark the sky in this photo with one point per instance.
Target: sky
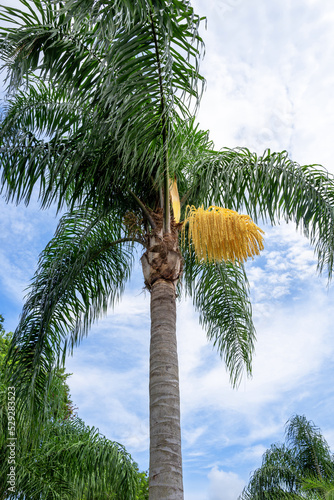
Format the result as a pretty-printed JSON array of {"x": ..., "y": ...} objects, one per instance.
[{"x": 270, "y": 74}]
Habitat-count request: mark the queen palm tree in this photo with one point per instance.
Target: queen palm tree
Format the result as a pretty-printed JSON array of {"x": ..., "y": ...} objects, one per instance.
[
  {"x": 68, "y": 461},
  {"x": 302, "y": 467},
  {"x": 71, "y": 462},
  {"x": 99, "y": 119}
]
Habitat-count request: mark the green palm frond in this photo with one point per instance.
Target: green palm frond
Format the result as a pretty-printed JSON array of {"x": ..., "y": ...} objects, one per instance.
[
  {"x": 301, "y": 468},
  {"x": 274, "y": 493},
  {"x": 135, "y": 82},
  {"x": 311, "y": 448},
  {"x": 220, "y": 294},
  {"x": 39, "y": 139},
  {"x": 276, "y": 478},
  {"x": 72, "y": 461},
  {"x": 81, "y": 271},
  {"x": 271, "y": 187},
  {"x": 47, "y": 137},
  {"x": 324, "y": 487},
  {"x": 65, "y": 459},
  {"x": 43, "y": 108},
  {"x": 104, "y": 466}
]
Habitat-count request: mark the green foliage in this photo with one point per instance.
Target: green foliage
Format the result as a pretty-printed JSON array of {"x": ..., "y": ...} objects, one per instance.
[
  {"x": 5, "y": 339},
  {"x": 303, "y": 467},
  {"x": 72, "y": 461},
  {"x": 220, "y": 293},
  {"x": 63, "y": 458},
  {"x": 103, "y": 104},
  {"x": 80, "y": 272},
  {"x": 143, "y": 486}
]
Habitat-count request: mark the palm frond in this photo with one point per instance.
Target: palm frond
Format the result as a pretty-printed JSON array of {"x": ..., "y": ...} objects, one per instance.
[
  {"x": 105, "y": 466},
  {"x": 323, "y": 487},
  {"x": 271, "y": 187},
  {"x": 301, "y": 468},
  {"x": 43, "y": 109},
  {"x": 220, "y": 294},
  {"x": 71, "y": 461},
  {"x": 81, "y": 271},
  {"x": 311, "y": 449},
  {"x": 277, "y": 478},
  {"x": 47, "y": 138},
  {"x": 134, "y": 69}
]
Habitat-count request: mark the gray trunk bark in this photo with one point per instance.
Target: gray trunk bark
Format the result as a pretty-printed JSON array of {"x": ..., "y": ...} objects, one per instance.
[{"x": 165, "y": 481}]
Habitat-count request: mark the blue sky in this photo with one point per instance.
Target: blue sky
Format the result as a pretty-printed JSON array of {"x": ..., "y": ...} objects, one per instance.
[{"x": 270, "y": 75}]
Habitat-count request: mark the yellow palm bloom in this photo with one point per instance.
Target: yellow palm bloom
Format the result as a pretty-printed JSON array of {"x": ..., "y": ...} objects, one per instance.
[{"x": 222, "y": 234}]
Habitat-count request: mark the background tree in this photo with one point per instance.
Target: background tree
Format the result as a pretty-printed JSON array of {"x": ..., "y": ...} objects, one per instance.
[
  {"x": 100, "y": 120},
  {"x": 69, "y": 460},
  {"x": 143, "y": 486},
  {"x": 302, "y": 467}
]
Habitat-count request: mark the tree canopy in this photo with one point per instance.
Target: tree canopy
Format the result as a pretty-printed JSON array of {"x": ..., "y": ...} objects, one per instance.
[
  {"x": 302, "y": 467},
  {"x": 67, "y": 459}
]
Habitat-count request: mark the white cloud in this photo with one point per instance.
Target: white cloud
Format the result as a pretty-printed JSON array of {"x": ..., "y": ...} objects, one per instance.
[
  {"x": 287, "y": 350},
  {"x": 190, "y": 436},
  {"x": 24, "y": 231},
  {"x": 13, "y": 277},
  {"x": 269, "y": 79},
  {"x": 253, "y": 453},
  {"x": 224, "y": 485},
  {"x": 329, "y": 436},
  {"x": 112, "y": 400},
  {"x": 110, "y": 374}
]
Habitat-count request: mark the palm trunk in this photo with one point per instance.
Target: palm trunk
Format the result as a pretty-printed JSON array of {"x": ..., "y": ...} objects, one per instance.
[
  {"x": 165, "y": 432},
  {"x": 162, "y": 266}
]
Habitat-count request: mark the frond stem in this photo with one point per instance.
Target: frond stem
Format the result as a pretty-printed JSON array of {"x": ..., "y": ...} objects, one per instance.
[
  {"x": 144, "y": 209},
  {"x": 166, "y": 214},
  {"x": 75, "y": 40}
]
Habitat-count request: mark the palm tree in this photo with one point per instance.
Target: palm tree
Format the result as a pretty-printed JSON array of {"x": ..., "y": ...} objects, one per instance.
[
  {"x": 72, "y": 462},
  {"x": 100, "y": 120},
  {"x": 68, "y": 461},
  {"x": 303, "y": 467}
]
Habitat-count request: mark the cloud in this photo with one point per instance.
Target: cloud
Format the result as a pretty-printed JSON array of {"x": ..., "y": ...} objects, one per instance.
[
  {"x": 253, "y": 453},
  {"x": 269, "y": 82},
  {"x": 224, "y": 485},
  {"x": 24, "y": 231},
  {"x": 190, "y": 437},
  {"x": 116, "y": 401},
  {"x": 287, "y": 350},
  {"x": 110, "y": 374}
]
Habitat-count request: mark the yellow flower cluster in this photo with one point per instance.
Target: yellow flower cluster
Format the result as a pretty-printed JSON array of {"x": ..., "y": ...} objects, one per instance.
[{"x": 221, "y": 234}]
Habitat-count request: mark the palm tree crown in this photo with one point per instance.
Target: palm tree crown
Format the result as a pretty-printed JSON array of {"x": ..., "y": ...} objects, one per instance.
[
  {"x": 68, "y": 460},
  {"x": 302, "y": 467}
]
